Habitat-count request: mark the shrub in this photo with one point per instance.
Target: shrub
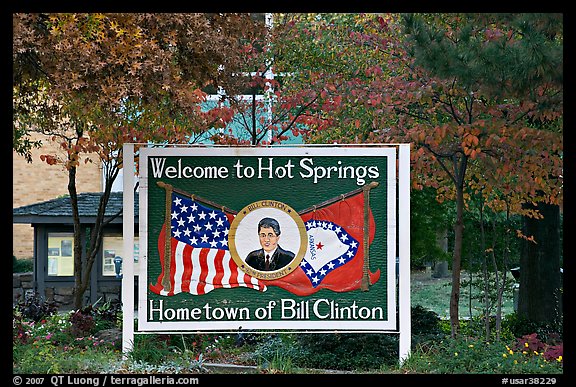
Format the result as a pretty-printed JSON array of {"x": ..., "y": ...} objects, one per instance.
[
  {"x": 108, "y": 315},
  {"x": 94, "y": 317},
  {"x": 426, "y": 326},
  {"x": 520, "y": 326},
  {"x": 269, "y": 348},
  {"x": 35, "y": 307},
  {"x": 424, "y": 321},
  {"x": 464, "y": 356},
  {"x": 22, "y": 265},
  {"x": 47, "y": 346},
  {"x": 531, "y": 345},
  {"x": 347, "y": 351},
  {"x": 150, "y": 349},
  {"x": 81, "y": 323}
]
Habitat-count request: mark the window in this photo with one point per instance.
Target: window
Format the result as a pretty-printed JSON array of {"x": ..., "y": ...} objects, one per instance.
[
  {"x": 113, "y": 246},
  {"x": 60, "y": 254}
]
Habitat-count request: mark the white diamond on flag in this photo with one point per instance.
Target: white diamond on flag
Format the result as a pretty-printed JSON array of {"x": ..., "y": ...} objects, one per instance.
[{"x": 329, "y": 247}]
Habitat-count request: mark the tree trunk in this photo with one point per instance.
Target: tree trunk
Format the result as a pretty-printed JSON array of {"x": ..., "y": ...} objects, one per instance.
[
  {"x": 539, "y": 296},
  {"x": 78, "y": 290},
  {"x": 457, "y": 262}
]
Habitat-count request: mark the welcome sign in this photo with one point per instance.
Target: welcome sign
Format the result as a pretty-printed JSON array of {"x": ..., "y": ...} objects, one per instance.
[{"x": 281, "y": 238}]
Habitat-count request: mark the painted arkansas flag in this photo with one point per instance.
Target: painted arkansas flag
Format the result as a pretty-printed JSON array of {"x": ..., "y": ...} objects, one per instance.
[
  {"x": 195, "y": 259},
  {"x": 334, "y": 258},
  {"x": 329, "y": 247}
]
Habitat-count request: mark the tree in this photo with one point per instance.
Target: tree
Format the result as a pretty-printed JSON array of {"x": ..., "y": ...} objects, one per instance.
[
  {"x": 521, "y": 61},
  {"x": 420, "y": 79},
  {"x": 95, "y": 81}
]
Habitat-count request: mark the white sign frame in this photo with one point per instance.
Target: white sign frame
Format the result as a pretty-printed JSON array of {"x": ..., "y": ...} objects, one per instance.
[{"x": 400, "y": 191}]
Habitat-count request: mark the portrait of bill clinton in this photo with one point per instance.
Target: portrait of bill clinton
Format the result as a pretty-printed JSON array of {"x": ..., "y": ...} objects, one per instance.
[{"x": 271, "y": 256}]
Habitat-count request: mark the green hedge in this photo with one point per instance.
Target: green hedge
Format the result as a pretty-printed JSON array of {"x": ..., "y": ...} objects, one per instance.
[{"x": 22, "y": 265}]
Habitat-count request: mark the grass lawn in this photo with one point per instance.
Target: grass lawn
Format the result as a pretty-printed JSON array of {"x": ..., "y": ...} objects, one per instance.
[{"x": 434, "y": 294}]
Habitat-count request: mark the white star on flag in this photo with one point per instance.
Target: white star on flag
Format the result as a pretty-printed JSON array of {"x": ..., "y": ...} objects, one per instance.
[{"x": 200, "y": 259}]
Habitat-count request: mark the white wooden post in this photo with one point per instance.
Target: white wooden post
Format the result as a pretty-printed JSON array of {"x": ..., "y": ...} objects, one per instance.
[
  {"x": 128, "y": 239},
  {"x": 404, "y": 253}
]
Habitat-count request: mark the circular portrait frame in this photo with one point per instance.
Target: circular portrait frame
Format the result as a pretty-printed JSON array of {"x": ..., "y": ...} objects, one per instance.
[{"x": 243, "y": 237}]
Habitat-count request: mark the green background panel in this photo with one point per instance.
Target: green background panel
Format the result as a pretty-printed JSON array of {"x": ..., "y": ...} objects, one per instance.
[{"x": 298, "y": 193}]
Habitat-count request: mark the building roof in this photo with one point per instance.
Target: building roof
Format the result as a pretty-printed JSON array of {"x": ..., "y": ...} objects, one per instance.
[{"x": 59, "y": 210}]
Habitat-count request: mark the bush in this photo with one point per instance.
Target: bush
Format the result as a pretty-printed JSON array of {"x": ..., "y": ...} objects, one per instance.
[
  {"x": 22, "y": 265},
  {"x": 47, "y": 346},
  {"x": 466, "y": 356},
  {"x": 93, "y": 318},
  {"x": 347, "y": 351},
  {"x": 520, "y": 326},
  {"x": 426, "y": 327},
  {"x": 532, "y": 345},
  {"x": 81, "y": 323},
  {"x": 150, "y": 349},
  {"x": 424, "y": 321},
  {"x": 270, "y": 347},
  {"x": 35, "y": 307}
]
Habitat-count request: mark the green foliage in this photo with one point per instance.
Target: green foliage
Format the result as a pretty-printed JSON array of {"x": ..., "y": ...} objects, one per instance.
[
  {"x": 39, "y": 358},
  {"x": 209, "y": 346},
  {"x": 107, "y": 315},
  {"x": 152, "y": 349},
  {"x": 467, "y": 356},
  {"x": 49, "y": 346},
  {"x": 22, "y": 265},
  {"x": 428, "y": 220},
  {"x": 502, "y": 51},
  {"x": 45, "y": 358},
  {"x": 270, "y": 347},
  {"x": 278, "y": 364},
  {"x": 498, "y": 236},
  {"x": 520, "y": 326},
  {"x": 174, "y": 365},
  {"x": 93, "y": 318},
  {"x": 424, "y": 321},
  {"x": 344, "y": 351},
  {"x": 426, "y": 326},
  {"x": 328, "y": 62},
  {"x": 478, "y": 285},
  {"x": 35, "y": 307}
]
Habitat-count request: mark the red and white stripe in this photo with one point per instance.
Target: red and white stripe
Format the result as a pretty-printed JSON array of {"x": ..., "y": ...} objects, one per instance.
[{"x": 201, "y": 270}]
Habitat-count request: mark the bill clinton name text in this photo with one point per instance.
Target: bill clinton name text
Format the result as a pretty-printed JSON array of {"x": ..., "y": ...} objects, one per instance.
[{"x": 288, "y": 309}]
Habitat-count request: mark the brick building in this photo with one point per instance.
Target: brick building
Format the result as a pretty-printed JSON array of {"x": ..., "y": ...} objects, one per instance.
[{"x": 37, "y": 182}]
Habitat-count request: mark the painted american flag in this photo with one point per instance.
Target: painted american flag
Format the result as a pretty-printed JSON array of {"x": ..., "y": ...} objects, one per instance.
[{"x": 200, "y": 259}]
